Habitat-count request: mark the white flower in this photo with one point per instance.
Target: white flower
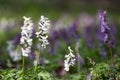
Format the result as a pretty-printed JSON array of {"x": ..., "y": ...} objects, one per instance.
[
  {"x": 26, "y": 35},
  {"x": 22, "y": 40},
  {"x": 38, "y": 34},
  {"x": 66, "y": 65},
  {"x": 45, "y": 42},
  {"x": 44, "y": 25},
  {"x": 70, "y": 60},
  {"x": 29, "y": 41},
  {"x": 26, "y": 51}
]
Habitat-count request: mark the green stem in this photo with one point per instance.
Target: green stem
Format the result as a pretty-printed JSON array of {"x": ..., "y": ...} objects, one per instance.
[
  {"x": 110, "y": 52},
  {"x": 78, "y": 65},
  {"x": 23, "y": 60},
  {"x": 38, "y": 57},
  {"x": 77, "y": 53}
]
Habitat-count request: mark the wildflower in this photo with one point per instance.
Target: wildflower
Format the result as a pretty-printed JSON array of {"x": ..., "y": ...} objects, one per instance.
[
  {"x": 104, "y": 26},
  {"x": 44, "y": 24},
  {"x": 70, "y": 60},
  {"x": 25, "y": 51},
  {"x": 26, "y": 35}
]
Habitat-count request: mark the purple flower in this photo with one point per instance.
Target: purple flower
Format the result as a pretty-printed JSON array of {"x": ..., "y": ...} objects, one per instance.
[
  {"x": 106, "y": 38},
  {"x": 64, "y": 35},
  {"x": 103, "y": 51},
  {"x": 105, "y": 29},
  {"x": 90, "y": 35},
  {"x": 73, "y": 31},
  {"x": 104, "y": 21}
]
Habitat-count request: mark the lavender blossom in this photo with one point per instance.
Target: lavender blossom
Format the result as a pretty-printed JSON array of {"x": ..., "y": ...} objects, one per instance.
[
  {"x": 105, "y": 29},
  {"x": 73, "y": 31},
  {"x": 90, "y": 35},
  {"x": 54, "y": 42}
]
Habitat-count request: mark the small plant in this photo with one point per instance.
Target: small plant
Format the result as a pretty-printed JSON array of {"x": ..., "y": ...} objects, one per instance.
[
  {"x": 105, "y": 71},
  {"x": 70, "y": 59},
  {"x": 100, "y": 71},
  {"x": 105, "y": 29},
  {"x": 26, "y": 40},
  {"x": 44, "y": 25}
]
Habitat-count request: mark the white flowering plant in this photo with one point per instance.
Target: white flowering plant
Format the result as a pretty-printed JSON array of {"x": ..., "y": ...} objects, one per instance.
[
  {"x": 26, "y": 35},
  {"x": 44, "y": 25},
  {"x": 70, "y": 59}
]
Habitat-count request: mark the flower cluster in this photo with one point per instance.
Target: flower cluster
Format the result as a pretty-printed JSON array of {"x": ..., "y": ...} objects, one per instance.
[
  {"x": 104, "y": 25},
  {"x": 70, "y": 60},
  {"x": 44, "y": 24},
  {"x": 26, "y": 35}
]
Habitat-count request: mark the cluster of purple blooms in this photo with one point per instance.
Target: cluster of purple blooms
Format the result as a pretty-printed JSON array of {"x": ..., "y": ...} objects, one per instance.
[
  {"x": 69, "y": 35},
  {"x": 105, "y": 29}
]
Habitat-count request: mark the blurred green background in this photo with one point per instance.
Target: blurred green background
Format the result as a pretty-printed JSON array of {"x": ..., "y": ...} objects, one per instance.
[{"x": 54, "y": 8}]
